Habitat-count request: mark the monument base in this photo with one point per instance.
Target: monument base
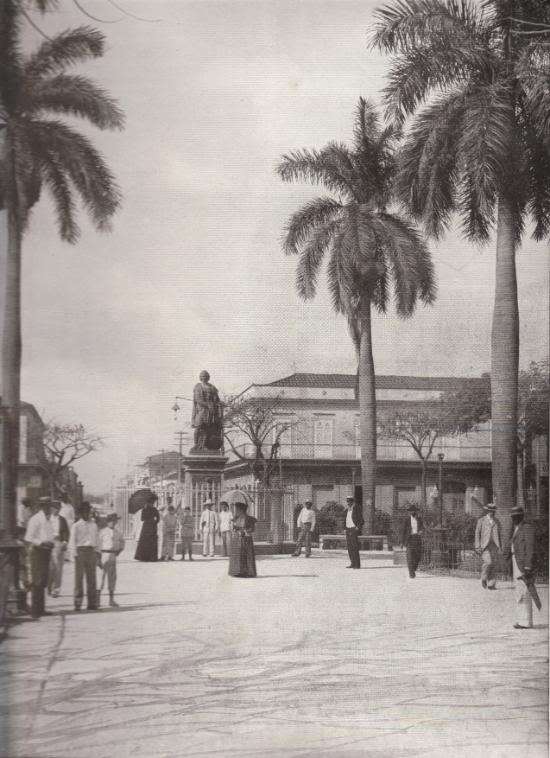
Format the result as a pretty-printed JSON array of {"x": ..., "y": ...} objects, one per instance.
[{"x": 203, "y": 471}]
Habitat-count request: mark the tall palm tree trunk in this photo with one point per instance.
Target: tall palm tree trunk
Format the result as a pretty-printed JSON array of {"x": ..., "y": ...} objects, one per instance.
[
  {"x": 505, "y": 362},
  {"x": 11, "y": 360},
  {"x": 367, "y": 410}
]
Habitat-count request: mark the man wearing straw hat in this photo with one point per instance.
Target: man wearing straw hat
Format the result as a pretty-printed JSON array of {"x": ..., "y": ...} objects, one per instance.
[{"x": 488, "y": 543}]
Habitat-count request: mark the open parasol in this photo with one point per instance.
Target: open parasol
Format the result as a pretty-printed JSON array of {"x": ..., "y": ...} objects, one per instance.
[
  {"x": 141, "y": 498},
  {"x": 236, "y": 496}
]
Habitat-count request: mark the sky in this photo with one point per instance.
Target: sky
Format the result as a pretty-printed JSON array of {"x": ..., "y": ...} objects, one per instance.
[{"x": 193, "y": 275}]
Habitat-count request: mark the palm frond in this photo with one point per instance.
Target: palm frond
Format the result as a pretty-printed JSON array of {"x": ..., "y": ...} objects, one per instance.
[
  {"x": 538, "y": 163},
  {"x": 311, "y": 258},
  {"x": 366, "y": 127},
  {"x": 81, "y": 163},
  {"x": 71, "y": 95},
  {"x": 10, "y": 57},
  {"x": 320, "y": 167},
  {"x": 304, "y": 222},
  {"x": 408, "y": 23},
  {"x": 64, "y": 50}
]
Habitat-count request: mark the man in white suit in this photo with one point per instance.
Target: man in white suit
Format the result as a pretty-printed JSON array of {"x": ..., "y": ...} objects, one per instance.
[
  {"x": 488, "y": 541},
  {"x": 209, "y": 524}
]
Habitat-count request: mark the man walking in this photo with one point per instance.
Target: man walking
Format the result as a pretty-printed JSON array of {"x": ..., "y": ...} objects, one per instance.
[
  {"x": 488, "y": 543},
  {"x": 521, "y": 549},
  {"x": 354, "y": 524},
  {"x": 40, "y": 536},
  {"x": 226, "y": 520},
  {"x": 187, "y": 531},
  {"x": 111, "y": 543},
  {"x": 306, "y": 524},
  {"x": 209, "y": 526},
  {"x": 60, "y": 540},
  {"x": 411, "y": 539},
  {"x": 84, "y": 543}
]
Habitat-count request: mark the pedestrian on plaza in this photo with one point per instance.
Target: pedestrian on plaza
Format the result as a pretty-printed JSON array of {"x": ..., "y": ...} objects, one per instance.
[
  {"x": 209, "y": 525},
  {"x": 411, "y": 539},
  {"x": 521, "y": 551},
  {"x": 242, "y": 560},
  {"x": 39, "y": 535},
  {"x": 306, "y": 524},
  {"x": 84, "y": 542},
  {"x": 169, "y": 524},
  {"x": 354, "y": 525},
  {"x": 147, "y": 547},
  {"x": 225, "y": 520},
  {"x": 111, "y": 543},
  {"x": 488, "y": 544},
  {"x": 187, "y": 532},
  {"x": 61, "y": 535}
]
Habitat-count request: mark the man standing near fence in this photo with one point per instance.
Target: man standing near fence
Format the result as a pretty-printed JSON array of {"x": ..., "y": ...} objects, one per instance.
[
  {"x": 411, "y": 539},
  {"x": 306, "y": 524},
  {"x": 226, "y": 520},
  {"x": 209, "y": 526},
  {"x": 488, "y": 543}
]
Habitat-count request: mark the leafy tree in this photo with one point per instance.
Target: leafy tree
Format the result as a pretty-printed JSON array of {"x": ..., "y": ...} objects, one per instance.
[
  {"x": 370, "y": 249},
  {"x": 480, "y": 148},
  {"x": 259, "y": 423},
  {"x": 36, "y": 152}
]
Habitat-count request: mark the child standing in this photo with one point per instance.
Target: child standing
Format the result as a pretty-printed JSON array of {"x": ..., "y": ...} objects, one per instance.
[{"x": 111, "y": 543}]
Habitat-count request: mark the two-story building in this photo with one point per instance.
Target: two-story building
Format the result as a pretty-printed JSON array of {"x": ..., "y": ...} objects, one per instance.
[
  {"x": 31, "y": 481},
  {"x": 319, "y": 455}
]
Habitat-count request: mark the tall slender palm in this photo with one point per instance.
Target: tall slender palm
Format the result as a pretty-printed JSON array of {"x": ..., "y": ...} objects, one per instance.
[
  {"x": 480, "y": 148},
  {"x": 37, "y": 151},
  {"x": 370, "y": 251}
]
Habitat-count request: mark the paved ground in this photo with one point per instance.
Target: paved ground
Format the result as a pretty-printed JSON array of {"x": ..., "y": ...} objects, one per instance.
[{"x": 308, "y": 660}]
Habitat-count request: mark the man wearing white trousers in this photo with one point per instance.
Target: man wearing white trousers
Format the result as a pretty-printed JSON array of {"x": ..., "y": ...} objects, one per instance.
[
  {"x": 209, "y": 525},
  {"x": 522, "y": 551}
]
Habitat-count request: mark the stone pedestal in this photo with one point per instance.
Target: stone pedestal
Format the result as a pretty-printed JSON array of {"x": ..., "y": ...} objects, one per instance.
[{"x": 203, "y": 480}]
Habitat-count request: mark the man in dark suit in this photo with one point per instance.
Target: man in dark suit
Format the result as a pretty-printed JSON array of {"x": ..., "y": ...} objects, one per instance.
[
  {"x": 411, "y": 539},
  {"x": 354, "y": 524},
  {"x": 521, "y": 549}
]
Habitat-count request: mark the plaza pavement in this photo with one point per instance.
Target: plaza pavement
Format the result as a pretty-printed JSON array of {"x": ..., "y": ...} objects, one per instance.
[{"x": 308, "y": 660}]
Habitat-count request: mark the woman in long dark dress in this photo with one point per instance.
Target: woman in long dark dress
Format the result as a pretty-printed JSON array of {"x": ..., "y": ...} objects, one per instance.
[
  {"x": 242, "y": 561},
  {"x": 147, "y": 547}
]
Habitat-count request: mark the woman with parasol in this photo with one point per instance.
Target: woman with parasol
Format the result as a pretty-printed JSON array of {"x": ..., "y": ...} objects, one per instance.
[{"x": 242, "y": 561}]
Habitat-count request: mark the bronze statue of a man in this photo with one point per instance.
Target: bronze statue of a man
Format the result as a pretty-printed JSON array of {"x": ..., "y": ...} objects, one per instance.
[{"x": 207, "y": 416}]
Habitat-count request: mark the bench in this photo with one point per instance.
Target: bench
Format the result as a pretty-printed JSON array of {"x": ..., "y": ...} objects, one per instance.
[{"x": 366, "y": 542}]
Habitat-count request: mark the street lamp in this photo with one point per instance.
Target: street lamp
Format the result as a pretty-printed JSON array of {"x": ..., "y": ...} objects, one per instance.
[{"x": 440, "y": 457}]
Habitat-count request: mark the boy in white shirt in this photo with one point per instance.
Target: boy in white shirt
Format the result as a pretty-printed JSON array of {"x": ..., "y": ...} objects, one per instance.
[{"x": 111, "y": 543}]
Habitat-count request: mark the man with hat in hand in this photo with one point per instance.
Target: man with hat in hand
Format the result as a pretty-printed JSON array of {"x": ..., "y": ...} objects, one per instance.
[
  {"x": 488, "y": 543},
  {"x": 209, "y": 526},
  {"x": 354, "y": 524},
  {"x": 306, "y": 524},
  {"x": 521, "y": 549},
  {"x": 40, "y": 536},
  {"x": 411, "y": 538}
]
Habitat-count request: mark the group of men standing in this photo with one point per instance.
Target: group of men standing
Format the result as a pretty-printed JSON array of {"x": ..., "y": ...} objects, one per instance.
[
  {"x": 214, "y": 523},
  {"x": 49, "y": 537}
]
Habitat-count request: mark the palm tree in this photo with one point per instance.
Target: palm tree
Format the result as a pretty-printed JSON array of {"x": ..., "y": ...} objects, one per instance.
[
  {"x": 38, "y": 152},
  {"x": 369, "y": 249},
  {"x": 480, "y": 148}
]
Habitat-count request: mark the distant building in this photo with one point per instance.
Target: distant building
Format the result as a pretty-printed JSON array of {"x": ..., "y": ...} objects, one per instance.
[
  {"x": 31, "y": 479},
  {"x": 319, "y": 457}
]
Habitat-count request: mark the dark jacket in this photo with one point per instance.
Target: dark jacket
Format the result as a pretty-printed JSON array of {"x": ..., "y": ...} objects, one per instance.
[
  {"x": 523, "y": 545},
  {"x": 406, "y": 528},
  {"x": 63, "y": 529},
  {"x": 357, "y": 516}
]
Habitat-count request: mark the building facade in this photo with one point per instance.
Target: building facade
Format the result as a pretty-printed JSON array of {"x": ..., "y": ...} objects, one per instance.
[{"x": 319, "y": 453}]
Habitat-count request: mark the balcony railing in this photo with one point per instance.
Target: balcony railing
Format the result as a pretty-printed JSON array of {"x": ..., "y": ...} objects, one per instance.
[{"x": 385, "y": 452}]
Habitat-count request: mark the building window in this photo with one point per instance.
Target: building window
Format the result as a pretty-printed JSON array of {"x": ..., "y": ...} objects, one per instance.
[{"x": 323, "y": 439}]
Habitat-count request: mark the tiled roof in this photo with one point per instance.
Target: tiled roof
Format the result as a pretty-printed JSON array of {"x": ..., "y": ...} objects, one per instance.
[{"x": 383, "y": 382}]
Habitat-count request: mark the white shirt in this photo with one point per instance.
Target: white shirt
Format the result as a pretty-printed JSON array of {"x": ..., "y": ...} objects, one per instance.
[
  {"x": 210, "y": 517},
  {"x": 349, "y": 519},
  {"x": 84, "y": 534},
  {"x": 226, "y": 517},
  {"x": 414, "y": 525},
  {"x": 307, "y": 516},
  {"x": 39, "y": 529},
  {"x": 111, "y": 539}
]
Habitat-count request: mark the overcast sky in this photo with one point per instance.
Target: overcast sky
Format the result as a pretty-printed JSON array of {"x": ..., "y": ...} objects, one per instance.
[{"x": 193, "y": 275}]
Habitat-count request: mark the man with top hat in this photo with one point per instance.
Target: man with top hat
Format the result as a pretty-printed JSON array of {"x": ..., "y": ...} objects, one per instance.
[
  {"x": 488, "y": 542},
  {"x": 111, "y": 543},
  {"x": 411, "y": 538},
  {"x": 521, "y": 550},
  {"x": 40, "y": 536},
  {"x": 306, "y": 525},
  {"x": 354, "y": 524},
  {"x": 209, "y": 525}
]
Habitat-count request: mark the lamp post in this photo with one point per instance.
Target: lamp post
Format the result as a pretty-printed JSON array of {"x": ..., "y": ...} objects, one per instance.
[{"x": 440, "y": 457}]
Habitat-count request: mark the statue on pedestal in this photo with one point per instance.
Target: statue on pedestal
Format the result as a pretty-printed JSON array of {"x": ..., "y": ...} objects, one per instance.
[{"x": 207, "y": 416}]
